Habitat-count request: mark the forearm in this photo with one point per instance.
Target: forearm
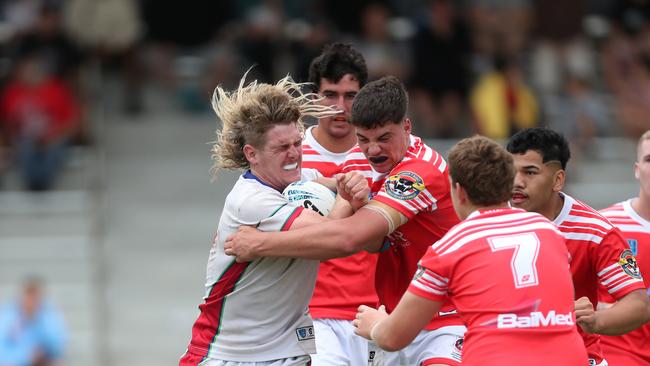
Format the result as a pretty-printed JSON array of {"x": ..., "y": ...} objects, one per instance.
[
  {"x": 627, "y": 314},
  {"x": 331, "y": 239},
  {"x": 323, "y": 241},
  {"x": 407, "y": 320}
]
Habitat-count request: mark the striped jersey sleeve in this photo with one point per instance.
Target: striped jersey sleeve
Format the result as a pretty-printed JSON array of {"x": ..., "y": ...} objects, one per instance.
[
  {"x": 609, "y": 255},
  {"x": 416, "y": 184}
]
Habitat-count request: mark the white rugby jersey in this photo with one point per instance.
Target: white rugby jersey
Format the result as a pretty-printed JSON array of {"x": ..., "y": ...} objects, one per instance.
[{"x": 255, "y": 311}]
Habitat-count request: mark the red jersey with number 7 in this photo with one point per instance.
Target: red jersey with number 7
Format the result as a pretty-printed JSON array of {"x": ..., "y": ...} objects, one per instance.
[{"x": 507, "y": 273}]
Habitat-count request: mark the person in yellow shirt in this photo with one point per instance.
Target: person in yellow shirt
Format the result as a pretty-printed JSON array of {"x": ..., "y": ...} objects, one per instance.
[{"x": 501, "y": 103}]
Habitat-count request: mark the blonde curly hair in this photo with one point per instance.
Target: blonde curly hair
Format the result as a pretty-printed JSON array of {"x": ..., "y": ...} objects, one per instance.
[{"x": 247, "y": 113}]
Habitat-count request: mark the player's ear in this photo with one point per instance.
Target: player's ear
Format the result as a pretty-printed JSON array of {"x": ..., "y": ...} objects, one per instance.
[
  {"x": 558, "y": 180},
  {"x": 636, "y": 170},
  {"x": 250, "y": 153},
  {"x": 407, "y": 125}
]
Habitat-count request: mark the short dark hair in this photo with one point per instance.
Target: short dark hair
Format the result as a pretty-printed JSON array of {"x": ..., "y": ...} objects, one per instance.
[
  {"x": 483, "y": 168},
  {"x": 550, "y": 144},
  {"x": 380, "y": 102},
  {"x": 337, "y": 60}
]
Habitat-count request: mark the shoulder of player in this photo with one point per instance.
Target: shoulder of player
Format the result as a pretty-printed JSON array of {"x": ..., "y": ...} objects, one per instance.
[
  {"x": 250, "y": 199},
  {"x": 424, "y": 153},
  {"x": 585, "y": 224},
  {"x": 485, "y": 225}
]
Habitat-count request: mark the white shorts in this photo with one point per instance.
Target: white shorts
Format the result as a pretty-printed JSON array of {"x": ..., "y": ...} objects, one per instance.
[
  {"x": 439, "y": 346},
  {"x": 337, "y": 345},
  {"x": 292, "y": 361}
]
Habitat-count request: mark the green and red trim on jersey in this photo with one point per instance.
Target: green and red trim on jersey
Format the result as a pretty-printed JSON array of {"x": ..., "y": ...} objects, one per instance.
[{"x": 208, "y": 326}]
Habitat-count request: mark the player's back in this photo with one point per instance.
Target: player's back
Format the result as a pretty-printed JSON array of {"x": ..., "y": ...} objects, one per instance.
[
  {"x": 506, "y": 272},
  {"x": 633, "y": 348},
  {"x": 255, "y": 311}
]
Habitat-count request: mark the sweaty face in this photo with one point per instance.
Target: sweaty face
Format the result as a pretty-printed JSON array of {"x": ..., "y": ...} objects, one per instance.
[
  {"x": 385, "y": 146},
  {"x": 642, "y": 167},
  {"x": 534, "y": 182},
  {"x": 339, "y": 95},
  {"x": 278, "y": 162}
]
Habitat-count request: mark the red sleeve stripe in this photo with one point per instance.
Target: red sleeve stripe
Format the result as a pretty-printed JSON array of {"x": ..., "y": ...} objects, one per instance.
[
  {"x": 605, "y": 270},
  {"x": 421, "y": 292},
  {"x": 406, "y": 211},
  {"x": 294, "y": 215},
  {"x": 619, "y": 281},
  {"x": 629, "y": 282},
  {"x": 430, "y": 287}
]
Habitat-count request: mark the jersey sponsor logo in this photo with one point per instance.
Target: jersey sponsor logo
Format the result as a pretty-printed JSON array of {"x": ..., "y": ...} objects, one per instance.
[
  {"x": 627, "y": 261},
  {"x": 634, "y": 246},
  {"x": 535, "y": 320},
  {"x": 404, "y": 186},
  {"x": 305, "y": 333}
]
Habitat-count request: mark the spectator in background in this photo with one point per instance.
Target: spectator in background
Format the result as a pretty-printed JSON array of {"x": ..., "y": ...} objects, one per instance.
[
  {"x": 32, "y": 332},
  {"x": 384, "y": 54},
  {"x": 39, "y": 115},
  {"x": 578, "y": 113},
  {"x": 502, "y": 103},
  {"x": 59, "y": 55},
  {"x": 439, "y": 84}
]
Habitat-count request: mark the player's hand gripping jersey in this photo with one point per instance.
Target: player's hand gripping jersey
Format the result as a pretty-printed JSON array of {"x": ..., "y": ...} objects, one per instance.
[
  {"x": 633, "y": 348},
  {"x": 506, "y": 272},
  {"x": 418, "y": 187},
  {"x": 247, "y": 315},
  {"x": 599, "y": 256}
]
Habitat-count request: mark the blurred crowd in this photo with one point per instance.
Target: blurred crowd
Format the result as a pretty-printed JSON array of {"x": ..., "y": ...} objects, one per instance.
[{"x": 471, "y": 66}]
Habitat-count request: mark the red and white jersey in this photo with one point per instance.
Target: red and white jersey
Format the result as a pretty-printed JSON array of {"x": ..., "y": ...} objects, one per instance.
[
  {"x": 255, "y": 311},
  {"x": 342, "y": 283},
  {"x": 633, "y": 348},
  {"x": 507, "y": 273},
  {"x": 599, "y": 257},
  {"x": 418, "y": 187},
  {"x": 315, "y": 156}
]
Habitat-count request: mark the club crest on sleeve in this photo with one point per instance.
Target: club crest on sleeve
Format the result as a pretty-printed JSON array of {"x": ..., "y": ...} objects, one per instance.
[
  {"x": 404, "y": 185},
  {"x": 627, "y": 261}
]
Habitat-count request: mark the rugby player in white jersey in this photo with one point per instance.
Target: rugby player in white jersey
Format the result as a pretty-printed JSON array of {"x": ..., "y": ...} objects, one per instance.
[
  {"x": 599, "y": 254},
  {"x": 255, "y": 313},
  {"x": 343, "y": 284}
]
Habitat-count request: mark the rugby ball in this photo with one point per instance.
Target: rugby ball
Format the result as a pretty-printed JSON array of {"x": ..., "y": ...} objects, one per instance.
[{"x": 311, "y": 195}]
